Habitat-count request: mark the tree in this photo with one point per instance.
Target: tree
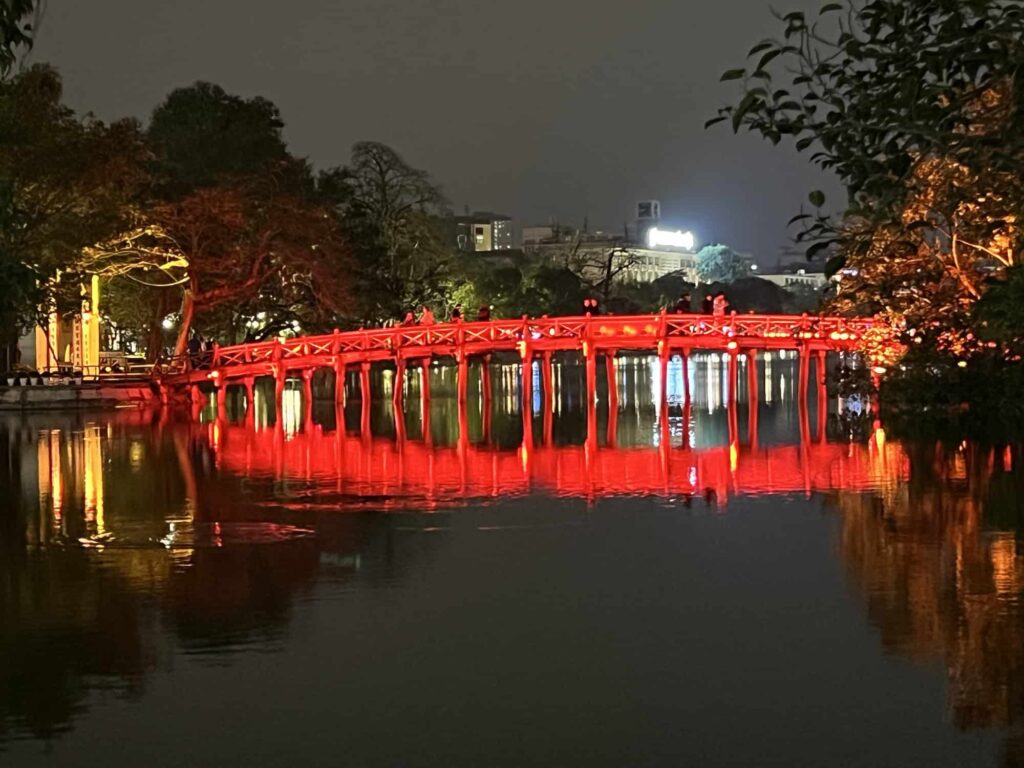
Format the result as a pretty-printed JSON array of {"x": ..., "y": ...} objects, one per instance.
[
  {"x": 720, "y": 264},
  {"x": 247, "y": 245},
  {"x": 201, "y": 135},
  {"x": 394, "y": 217},
  {"x": 15, "y": 29},
  {"x": 66, "y": 184},
  {"x": 232, "y": 226},
  {"x": 916, "y": 106}
]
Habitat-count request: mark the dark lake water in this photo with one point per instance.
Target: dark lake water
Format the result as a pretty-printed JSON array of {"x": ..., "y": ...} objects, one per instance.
[{"x": 628, "y": 588}]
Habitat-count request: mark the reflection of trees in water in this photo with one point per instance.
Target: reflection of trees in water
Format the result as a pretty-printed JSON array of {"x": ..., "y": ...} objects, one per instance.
[
  {"x": 939, "y": 564},
  {"x": 233, "y": 596},
  {"x": 75, "y": 620},
  {"x": 67, "y": 626}
]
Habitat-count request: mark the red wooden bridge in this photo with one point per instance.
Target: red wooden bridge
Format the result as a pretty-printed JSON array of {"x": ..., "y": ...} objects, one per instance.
[{"x": 662, "y": 334}]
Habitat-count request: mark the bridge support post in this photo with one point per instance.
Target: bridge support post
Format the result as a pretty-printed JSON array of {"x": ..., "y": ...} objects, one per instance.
[
  {"x": 463, "y": 376},
  {"x": 307, "y": 397},
  {"x": 365, "y": 394},
  {"x": 485, "y": 404},
  {"x": 822, "y": 376},
  {"x": 685, "y": 354},
  {"x": 222, "y": 398},
  {"x": 733, "y": 410},
  {"x": 549, "y": 396},
  {"x": 280, "y": 376},
  {"x": 339, "y": 382},
  {"x": 753, "y": 398},
  {"x": 425, "y": 399},
  {"x": 526, "y": 371},
  {"x": 590, "y": 361},
  {"x": 398, "y": 388},
  {"x": 613, "y": 382},
  {"x": 250, "y": 403},
  {"x": 195, "y": 398},
  {"x": 804, "y": 355}
]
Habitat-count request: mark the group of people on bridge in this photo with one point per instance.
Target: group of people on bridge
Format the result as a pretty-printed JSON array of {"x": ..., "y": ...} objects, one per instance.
[{"x": 715, "y": 304}]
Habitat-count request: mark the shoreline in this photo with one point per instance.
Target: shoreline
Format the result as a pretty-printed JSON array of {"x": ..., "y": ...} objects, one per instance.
[{"x": 73, "y": 397}]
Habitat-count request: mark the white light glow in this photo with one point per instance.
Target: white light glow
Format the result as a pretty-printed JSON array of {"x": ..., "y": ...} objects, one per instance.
[
  {"x": 168, "y": 323},
  {"x": 673, "y": 239}
]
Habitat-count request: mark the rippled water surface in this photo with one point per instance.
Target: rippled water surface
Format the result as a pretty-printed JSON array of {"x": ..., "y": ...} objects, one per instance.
[{"x": 488, "y": 586}]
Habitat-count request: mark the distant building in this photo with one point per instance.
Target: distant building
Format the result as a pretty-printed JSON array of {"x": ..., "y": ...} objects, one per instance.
[
  {"x": 483, "y": 231},
  {"x": 792, "y": 276},
  {"x": 648, "y": 217},
  {"x": 642, "y": 265}
]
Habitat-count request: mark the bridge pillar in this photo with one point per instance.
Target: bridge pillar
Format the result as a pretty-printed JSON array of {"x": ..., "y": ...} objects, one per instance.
[
  {"x": 425, "y": 399},
  {"x": 590, "y": 360},
  {"x": 804, "y": 354},
  {"x": 339, "y": 382},
  {"x": 613, "y": 382},
  {"x": 365, "y": 394},
  {"x": 733, "y": 407},
  {"x": 485, "y": 403},
  {"x": 685, "y": 354},
  {"x": 753, "y": 398},
  {"x": 195, "y": 396},
  {"x": 222, "y": 398},
  {"x": 547, "y": 381},
  {"x": 398, "y": 389},
  {"x": 526, "y": 371},
  {"x": 822, "y": 376},
  {"x": 280, "y": 376},
  {"x": 250, "y": 405},
  {"x": 307, "y": 396},
  {"x": 463, "y": 376}
]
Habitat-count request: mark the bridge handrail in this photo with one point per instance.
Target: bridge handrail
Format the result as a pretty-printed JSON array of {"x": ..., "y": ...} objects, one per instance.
[{"x": 483, "y": 333}]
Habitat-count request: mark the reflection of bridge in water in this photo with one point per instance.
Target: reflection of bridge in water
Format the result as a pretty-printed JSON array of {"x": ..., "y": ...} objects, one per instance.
[{"x": 406, "y": 473}]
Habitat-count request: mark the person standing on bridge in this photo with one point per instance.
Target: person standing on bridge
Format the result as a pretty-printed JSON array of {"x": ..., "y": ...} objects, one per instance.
[
  {"x": 720, "y": 305},
  {"x": 483, "y": 315},
  {"x": 707, "y": 305},
  {"x": 426, "y": 317},
  {"x": 683, "y": 304},
  {"x": 457, "y": 313},
  {"x": 409, "y": 319}
]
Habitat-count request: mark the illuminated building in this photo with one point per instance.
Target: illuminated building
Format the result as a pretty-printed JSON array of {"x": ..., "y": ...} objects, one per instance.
[{"x": 483, "y": 231}]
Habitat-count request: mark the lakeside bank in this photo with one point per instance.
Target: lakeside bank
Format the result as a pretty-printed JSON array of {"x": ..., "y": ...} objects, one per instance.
[{"x": 102, "y": 394}]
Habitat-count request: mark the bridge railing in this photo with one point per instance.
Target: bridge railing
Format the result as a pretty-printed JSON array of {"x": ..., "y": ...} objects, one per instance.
[{"x": 505, "y": 334}]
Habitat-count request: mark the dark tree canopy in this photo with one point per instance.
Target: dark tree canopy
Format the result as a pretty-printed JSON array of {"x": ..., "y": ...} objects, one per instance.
[
  {"x": 395, "y": 218},
  {"x": 916, "y": 106},
  {"x": 16, "y": 29},
  {"x": 201, "y": 134}
]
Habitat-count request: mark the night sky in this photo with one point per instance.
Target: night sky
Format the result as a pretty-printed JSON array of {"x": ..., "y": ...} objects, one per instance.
[{"x": 539, "y": 109}]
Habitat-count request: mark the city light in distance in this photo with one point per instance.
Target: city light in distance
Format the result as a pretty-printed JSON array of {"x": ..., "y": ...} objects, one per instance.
[{"x": 673, "y": 239}]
